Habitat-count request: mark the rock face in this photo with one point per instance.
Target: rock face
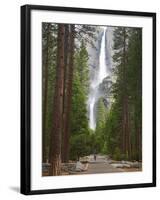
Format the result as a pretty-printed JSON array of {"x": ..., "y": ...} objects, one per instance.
[
  {"x": 94, "y": 53},
  {"x": 109, "y": 48},
  {"x": 105, "y": 91}
]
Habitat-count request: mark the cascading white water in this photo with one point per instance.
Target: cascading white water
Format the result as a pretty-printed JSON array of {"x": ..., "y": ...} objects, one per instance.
[
  {"x": 102, "y": 61},
  {"x": 94, "y": 85}
]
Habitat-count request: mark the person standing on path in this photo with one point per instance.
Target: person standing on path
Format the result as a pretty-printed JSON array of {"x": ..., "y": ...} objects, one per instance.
[{"x": 95, "y": 157}]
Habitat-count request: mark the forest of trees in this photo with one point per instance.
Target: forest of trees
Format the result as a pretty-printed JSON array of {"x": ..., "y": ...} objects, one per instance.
[
  {"x": 65, "y": 74},
  {"x": 65, "y": 86},
  {"x": 122, "y": 130}
]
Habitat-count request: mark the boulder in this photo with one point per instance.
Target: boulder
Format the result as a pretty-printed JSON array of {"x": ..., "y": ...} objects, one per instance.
[
  {"x": 80, "y": 167},
  {"x": 119, "y": 165}
]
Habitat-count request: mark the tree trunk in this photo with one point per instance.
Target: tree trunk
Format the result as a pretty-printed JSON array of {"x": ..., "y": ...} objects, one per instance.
[
  {"x": 68, "y": 96},
  {"x": 55, "y": 147},
  {"x": 124, "y": 90},
  {"x": 45, "y": 95},
  {"x": 66, "y": 58},
  {"x": 139, "y": 143},
  {"x": 126, "y": 132}
]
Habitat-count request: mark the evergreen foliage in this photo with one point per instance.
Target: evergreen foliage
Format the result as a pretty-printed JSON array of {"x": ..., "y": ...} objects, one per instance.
[{"x": 124, "y": 121}]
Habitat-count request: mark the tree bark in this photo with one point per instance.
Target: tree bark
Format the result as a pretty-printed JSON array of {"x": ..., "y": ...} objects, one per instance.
[
  {"x": 68, "y": 95},
  {"x": 66, "y": 58},
  {"x": 125, "y": 130},
  {"x": 123, "y": 100},
  {"x": 45, "y": 95},
  {"x": 55, "y": 147}
]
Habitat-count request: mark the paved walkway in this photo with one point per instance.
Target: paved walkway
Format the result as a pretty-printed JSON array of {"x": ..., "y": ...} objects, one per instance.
[{"x": 100, "y": 165}]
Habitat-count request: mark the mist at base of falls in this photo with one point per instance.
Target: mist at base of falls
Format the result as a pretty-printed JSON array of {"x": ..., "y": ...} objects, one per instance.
[{"x": 100, "y": 74}]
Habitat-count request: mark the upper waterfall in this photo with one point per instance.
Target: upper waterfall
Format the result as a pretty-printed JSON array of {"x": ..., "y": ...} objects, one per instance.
[
  {"x": 102, "y": 73},
  {"x": 102, "y": 60}
]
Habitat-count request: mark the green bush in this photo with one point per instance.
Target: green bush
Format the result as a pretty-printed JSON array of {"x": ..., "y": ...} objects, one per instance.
[
  {"x": 117, "y": 154},
  {"x": 79, "y": 146}
]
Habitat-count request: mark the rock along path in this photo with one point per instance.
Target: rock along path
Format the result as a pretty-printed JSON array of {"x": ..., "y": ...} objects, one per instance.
[{"x": 100, "y": 165}]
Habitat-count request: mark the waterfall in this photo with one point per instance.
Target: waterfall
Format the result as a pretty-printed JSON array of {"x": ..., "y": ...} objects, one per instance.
[{"x": 101, "y": 73}]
